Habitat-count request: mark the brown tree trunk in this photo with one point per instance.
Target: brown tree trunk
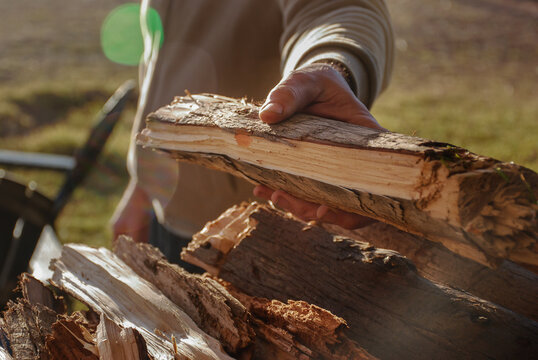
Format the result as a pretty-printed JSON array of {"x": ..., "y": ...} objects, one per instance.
[
  {"x": 391, "y": 311},
  {"x": 476, "y": 206}
]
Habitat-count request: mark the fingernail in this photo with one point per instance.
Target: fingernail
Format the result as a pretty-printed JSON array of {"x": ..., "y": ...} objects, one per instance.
[{"x": 273, "y": 107}]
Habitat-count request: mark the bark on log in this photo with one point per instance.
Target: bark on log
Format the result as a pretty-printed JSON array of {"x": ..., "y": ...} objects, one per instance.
[
  {"x": 476, "y": 206},
  {"x": 106, "y": 284},
  {"x": 211, "y": 307},
  {"x": 273, "y": 331},
  {"x": 391, "y": 311},
  {"x": 510, "y": 285},
  {"x": 27, "y": 327},
  {"x": 71, "y": 339},
  {"x": 297, "y": 330}
]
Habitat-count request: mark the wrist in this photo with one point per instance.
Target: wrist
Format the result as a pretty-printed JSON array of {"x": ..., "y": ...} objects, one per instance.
[{"x": 342, "y": 69}]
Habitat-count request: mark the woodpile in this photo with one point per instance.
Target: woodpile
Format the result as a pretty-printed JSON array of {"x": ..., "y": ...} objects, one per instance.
[{"x": 448, "y": 272}]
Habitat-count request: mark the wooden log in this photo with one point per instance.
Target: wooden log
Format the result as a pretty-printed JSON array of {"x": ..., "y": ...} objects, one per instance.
[
  {"x": 35, "y": 292},
  {"x": 71, "y": 338},
  {"x": 271, "y": 330},
  {"x": 27, "y": 327},
  {"x": 510, "y": 285},
  {"x": 476, "y": 206},
  {"x": 211, "y": 307},
  {"x": 106, "y": 284},
  {"x": 118, "y": 343},
  {"x": 297, "y": 330},
  {"x": 391, "y": 311}
]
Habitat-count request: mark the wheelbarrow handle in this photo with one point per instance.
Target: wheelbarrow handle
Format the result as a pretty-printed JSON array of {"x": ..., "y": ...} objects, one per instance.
[{"x": 87, "y": 155}]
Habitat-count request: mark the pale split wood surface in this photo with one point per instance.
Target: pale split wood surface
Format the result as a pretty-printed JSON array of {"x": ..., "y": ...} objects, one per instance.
[
  {"x": 203, "y": 299},
  {"x": 105, "y": 283},
  {"x": 475, "y": 206}
]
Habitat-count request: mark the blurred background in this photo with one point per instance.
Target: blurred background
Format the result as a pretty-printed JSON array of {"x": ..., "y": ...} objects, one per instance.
[{"x": 466, "y": 73}]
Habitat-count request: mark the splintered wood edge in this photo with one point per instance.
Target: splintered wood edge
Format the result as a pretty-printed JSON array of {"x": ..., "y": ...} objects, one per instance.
[
  {"x": 220, "y": 236},
  {"x": 153, "y": 309}
]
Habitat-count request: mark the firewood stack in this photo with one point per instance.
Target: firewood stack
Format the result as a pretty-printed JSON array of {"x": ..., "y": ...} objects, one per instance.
[{"x": 448, "y": 272}]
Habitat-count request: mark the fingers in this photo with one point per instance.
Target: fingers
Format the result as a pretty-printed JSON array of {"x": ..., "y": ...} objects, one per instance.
[
  {"x": 308, "y": 211},
  {"x": 263, "y": 192},
  {"x": 342, "y": 218},
  {"x": 291, "y": 95},
  {"x": 304, "y": 210}
]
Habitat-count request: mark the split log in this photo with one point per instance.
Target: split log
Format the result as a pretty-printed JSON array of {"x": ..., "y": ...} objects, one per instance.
[
  {"x": 115, "y": 342},
  {"x": 35, "y": 292},
  {"x": 71, "y": 338},
  {"x": 476, "y": 206},
  {"x": 509, "y": 285},
  {"x": 27, "y": 327},
  {"x": 391, "y": 311},
  {"x": 274, "y": 330},
  {"x": 203, "y": 299},
  {"x": 106, "y": 284},
  {"x": 297, "y": 330}
]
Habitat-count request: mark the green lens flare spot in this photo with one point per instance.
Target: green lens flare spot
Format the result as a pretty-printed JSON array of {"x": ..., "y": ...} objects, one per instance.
[{"x": 121, "y": 36}]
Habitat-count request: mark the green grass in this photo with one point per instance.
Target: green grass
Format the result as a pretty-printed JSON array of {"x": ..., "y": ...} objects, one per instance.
[
  {"x": 85, "y": 218},
  {"x": 498, "y": 127}
]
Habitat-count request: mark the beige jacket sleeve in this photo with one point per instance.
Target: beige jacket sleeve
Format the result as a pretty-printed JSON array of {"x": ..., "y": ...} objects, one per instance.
[{"x": 355, "y": 32}]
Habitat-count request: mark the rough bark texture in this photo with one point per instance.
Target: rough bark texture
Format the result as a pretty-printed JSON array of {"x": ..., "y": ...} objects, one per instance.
[
  {"x": 391, "y": 311},
  {"x": 27, "y": 327},
  {"x": 71, "y": 339},
  {"x": 509, "y": 285},
  {"x": 297, "y": 330},
  {"x": 106, "y": 284},
  {"x": 476, "y": 206},
  {"x": 211, "y": 307}
]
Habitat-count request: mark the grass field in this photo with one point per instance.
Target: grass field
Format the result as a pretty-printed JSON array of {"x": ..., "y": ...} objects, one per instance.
[{"x": 466, "y": 73}]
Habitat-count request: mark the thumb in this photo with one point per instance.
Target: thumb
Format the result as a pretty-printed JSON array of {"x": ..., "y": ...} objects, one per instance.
[{"x": 290, "y": 96}]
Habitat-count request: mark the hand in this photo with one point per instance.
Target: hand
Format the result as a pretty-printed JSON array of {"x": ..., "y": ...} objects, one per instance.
[
  {"x": 316, "y": 89},
  {"x": 133, "y": 215}
]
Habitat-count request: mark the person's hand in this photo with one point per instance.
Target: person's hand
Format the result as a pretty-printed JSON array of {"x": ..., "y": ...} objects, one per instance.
[
  {"x": 316, "y": 89},
  {"x": 132, "y": 216}
]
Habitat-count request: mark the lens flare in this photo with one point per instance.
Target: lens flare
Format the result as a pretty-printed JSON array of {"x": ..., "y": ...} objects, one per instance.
[{"x": 121, "y": 36}]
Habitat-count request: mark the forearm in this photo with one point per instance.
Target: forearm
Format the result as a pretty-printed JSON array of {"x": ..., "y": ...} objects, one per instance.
[{"x": 356, "y": 33}]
